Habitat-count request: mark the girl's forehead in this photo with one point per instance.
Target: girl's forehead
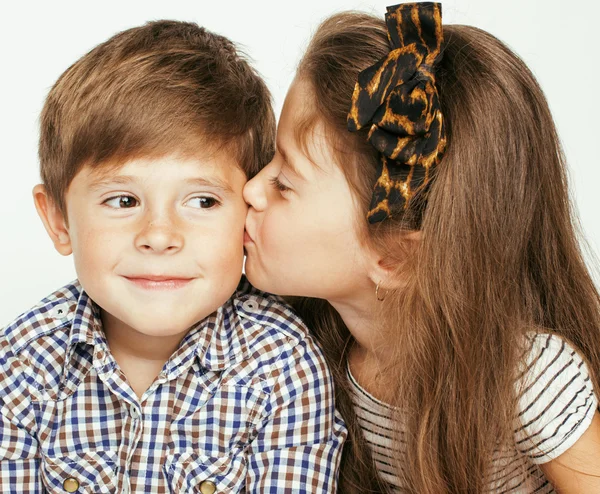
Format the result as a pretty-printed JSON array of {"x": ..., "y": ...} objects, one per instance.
[
  {"x": 302, "y": 138},
  {"x": 307, "y": 153}
]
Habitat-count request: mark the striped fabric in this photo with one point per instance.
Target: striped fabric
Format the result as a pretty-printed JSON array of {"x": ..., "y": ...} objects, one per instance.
[
  {"x": 245, "y": 404},
  {"x": 557, "y": 404}
]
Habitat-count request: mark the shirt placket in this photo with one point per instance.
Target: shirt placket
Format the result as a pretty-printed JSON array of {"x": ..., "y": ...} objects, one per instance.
[
  {"x": 140, "y": 459},
  {"x": 136, "y": 410},
  {"x": 110, "y": 374}
]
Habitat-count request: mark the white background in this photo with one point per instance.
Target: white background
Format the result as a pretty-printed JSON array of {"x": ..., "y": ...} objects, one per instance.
[{"x": 39, "y": 40}]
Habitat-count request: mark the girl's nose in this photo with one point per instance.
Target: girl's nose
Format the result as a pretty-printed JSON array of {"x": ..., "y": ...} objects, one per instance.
[{"x": 255, "y": 192}]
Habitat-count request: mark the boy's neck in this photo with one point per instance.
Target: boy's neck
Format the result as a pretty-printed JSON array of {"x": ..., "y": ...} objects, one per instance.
[{"x": 141, "y": 357}]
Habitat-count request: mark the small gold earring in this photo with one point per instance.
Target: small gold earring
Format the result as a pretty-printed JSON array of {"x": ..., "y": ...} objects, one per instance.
[{"x": 377, "y": 293}]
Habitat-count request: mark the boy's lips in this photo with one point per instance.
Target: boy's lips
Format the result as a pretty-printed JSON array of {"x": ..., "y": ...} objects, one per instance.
[
  {"x": 158, "y": 282},
  {"x": 247, "y": 237}
]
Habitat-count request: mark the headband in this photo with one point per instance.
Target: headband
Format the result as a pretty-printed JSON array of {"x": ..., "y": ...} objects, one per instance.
[{"x": 398, "y": 98}]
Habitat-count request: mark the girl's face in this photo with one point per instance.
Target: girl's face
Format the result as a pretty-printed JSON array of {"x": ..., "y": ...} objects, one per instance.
[{"x": 302, "y": 230}]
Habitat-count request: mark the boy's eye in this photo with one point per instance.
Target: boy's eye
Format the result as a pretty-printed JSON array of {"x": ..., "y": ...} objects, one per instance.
[
  {"x": 203, "y": 202},
  {"x": 121, "y": 202},
  {"x": 275, "y": 182}
]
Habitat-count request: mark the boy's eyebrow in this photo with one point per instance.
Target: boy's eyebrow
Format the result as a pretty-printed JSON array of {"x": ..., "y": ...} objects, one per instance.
[
  {"x": 127, "y": 180},
  {"x": 103, "y": 181},
  {"x": 212, "y": 182}
]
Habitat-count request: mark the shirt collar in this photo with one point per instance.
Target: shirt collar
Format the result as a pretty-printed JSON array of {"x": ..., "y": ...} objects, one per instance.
[
  {"x": 55, "y": 312},
  {"x": 86, "y": 326},
  {"x": 220, "y": 340},
  {"x": 217, "y": 342}
]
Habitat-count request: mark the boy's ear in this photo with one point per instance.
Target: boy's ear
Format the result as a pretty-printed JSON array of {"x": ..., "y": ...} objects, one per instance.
[
  {"x": 53, "y": 220},
  {"x": 383, "y": 271}
]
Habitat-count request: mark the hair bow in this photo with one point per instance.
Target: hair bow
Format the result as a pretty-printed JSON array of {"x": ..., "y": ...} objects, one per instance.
[{"x": 399, "y": 98}]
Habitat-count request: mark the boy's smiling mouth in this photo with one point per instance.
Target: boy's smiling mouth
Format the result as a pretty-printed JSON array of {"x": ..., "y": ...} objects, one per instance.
[{"x": 158, "y": 282}]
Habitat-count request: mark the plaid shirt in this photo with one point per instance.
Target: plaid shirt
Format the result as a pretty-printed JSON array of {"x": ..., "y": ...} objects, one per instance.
[{"x": 245, "y": 404}]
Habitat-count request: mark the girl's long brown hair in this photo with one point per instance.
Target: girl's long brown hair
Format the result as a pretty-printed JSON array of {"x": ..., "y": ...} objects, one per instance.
[{"x": 499, "y": 256}]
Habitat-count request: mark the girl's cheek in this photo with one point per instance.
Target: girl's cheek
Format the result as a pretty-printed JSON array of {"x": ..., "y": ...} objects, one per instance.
[{"x": 275, "y": 231}]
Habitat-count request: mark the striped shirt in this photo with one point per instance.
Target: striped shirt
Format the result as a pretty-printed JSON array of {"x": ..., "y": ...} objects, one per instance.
[
  {"x": 556, "y": 406},
  {"x": 245, "y": 404}
]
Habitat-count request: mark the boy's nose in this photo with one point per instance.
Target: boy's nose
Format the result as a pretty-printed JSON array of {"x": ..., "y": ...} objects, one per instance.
[
  {"x": 159, "y": 238},
  {"x": 254, "y": 192}
]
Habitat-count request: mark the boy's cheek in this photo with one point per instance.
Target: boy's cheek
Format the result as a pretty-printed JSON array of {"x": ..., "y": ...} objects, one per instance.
[
  {"x": 90, "y": 242},
  {"x": 227, "y": 257},
  {"x": 96, "y": 251}
]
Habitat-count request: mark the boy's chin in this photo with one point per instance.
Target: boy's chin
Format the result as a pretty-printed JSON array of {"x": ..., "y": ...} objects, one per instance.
[
  {"x": 152, "y": 323},
  {"x": 154, "y": 330},
  {"x": 159, "y": 326}
]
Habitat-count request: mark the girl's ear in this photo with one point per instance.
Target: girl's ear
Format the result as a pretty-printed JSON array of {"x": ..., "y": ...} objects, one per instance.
[
  {"x": 387, "y": 270},
  {"x": 53, "y": 220}
]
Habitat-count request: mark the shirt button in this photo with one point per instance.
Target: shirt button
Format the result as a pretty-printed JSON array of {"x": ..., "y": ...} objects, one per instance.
[
  {"x": 71, "y": 485},
  {"x": 208, "y": 487},
  {"x": 250, "y": 305},
  {"x": 60, "y": 311},
  {"x": 134, "y": 413}
]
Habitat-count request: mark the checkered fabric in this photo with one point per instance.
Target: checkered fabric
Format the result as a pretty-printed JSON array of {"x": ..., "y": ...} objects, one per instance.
[{"x": 245, "y": 404}]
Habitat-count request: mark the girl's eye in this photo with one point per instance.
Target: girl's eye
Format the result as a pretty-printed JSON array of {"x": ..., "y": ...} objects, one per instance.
[
  {"x": 121, "y": 202},
  {"x": 276, "y": 183},
  {"x": 203, "y": 202}
]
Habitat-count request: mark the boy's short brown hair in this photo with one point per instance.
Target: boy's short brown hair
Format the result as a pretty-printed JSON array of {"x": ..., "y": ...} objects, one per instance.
[{"x": 163, "y": 87}]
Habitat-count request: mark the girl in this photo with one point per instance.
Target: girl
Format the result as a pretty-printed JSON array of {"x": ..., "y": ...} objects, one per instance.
[{"x": 436, "y": 243}]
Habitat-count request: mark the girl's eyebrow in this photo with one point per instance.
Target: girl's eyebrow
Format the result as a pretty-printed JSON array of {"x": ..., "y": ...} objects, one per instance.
[{"x": 289, "y": 164}]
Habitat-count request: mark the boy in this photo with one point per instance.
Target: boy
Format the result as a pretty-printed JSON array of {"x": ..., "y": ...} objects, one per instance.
[{"x": 146, "y": 374}]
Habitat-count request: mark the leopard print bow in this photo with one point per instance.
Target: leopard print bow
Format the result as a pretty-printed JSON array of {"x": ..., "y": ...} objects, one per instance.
[{"x": 398, "y": 97}]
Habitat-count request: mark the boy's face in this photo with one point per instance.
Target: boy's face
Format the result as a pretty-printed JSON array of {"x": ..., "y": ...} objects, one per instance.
[{"x": 158, "y": 243}]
